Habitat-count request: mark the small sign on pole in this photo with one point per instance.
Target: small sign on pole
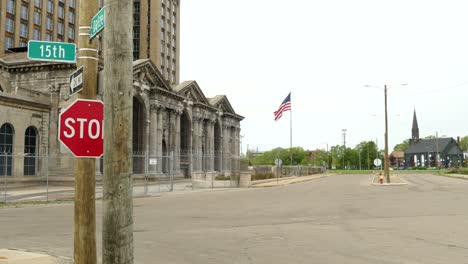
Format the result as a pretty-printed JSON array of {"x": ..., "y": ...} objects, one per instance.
[
  {"x": 76, "y": 81},
  {"x": 377, "y": 162},
  {"x": 97, "y": 24},
  {"x": 52, "y": 51},
  {"x": 278, "y": 162},
  {"x": 153, "y": 161}
]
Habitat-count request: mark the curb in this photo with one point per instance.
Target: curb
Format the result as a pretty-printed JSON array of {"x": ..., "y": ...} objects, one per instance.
[
  {"x": 22, "y": 256},
  {"x": 387, "y": 184},
  {"x": 289, "y": 180},
  {"x": 457, "y": 176}
]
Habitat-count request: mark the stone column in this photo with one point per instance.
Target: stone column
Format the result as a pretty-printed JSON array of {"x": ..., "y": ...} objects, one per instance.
[
  {"x": 201, "y": 130},
  {"x": 237, "y": 150},
  {"x": 198, "y": 153},
  {"x": 211, "y": 141},
  {"x": 153, "y": 137},
  {"x": 221, "y": 147},
  {"x": 177, "y": 115},
  {"x": 171, "y": 139},
  {"x": 195, "y": 144},
  {"x": 227, "y": 148},
  {"x": 159, "y": 137}
]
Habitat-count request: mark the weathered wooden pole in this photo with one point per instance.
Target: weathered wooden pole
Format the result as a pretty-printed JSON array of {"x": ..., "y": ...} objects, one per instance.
[
  {"x": 85, "y": 168},
  {"x": 386, "y": 169},
  {"x": 117, "y": 235}
]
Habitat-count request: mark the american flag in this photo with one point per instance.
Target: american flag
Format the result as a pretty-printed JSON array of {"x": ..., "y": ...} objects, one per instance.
[{"x": 285, "y": 106}]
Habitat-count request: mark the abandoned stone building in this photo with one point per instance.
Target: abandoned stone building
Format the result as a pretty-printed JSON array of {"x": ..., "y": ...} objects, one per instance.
[{"x": 176, "y": 129}]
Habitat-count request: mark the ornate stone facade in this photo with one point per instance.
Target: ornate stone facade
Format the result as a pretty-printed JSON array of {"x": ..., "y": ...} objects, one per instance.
[{"x": 176, "y": 129}]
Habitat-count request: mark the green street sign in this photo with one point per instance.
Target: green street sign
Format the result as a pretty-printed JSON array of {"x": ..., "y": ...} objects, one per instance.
[
  {"x": 97, "y": 24},
  {"x": 52, "y": 51}
]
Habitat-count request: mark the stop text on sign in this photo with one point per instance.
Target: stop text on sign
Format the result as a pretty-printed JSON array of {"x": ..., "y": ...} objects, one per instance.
[{"x": 92, "y": 127}]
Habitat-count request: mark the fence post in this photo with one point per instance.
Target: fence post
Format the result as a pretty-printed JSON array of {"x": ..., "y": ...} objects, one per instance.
[
  {"x": 146, "y": 164},
  {"x": 6, "y": 182},
  {"x": 171, "y": 171},
  {"x": 47, "y": 177}
]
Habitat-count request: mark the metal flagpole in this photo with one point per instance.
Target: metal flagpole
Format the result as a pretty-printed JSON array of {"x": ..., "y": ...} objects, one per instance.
[{"x": 290, "y": 126}]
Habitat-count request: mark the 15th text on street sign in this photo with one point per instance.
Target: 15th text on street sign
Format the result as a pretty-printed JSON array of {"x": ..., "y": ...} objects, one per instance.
[
  {"x": 97, "y": 24},
  {"x": 52, "y": 51}
]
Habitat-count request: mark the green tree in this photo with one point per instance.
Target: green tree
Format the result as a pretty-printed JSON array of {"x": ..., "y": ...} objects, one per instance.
[
  {"x": 403, "y": 146},
  {"x": 298, "y": 154},
  {"x": 369, "y": 152},
  {"x": 317, "y": 158},
  {"x": 464, "y": 143},
  {"x": 337, "y": 153}
]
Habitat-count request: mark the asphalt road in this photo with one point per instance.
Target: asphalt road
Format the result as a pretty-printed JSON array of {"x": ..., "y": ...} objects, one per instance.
[{"x": 337, "y": 219}]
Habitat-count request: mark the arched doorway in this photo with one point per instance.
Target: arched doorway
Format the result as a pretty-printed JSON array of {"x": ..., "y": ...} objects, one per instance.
[
  {"x": 30, "y": 151},
  {"x": 6, "y": 149},
  {"x": 138, "y": 140},
  {"x": 185, "y": 144},
  {"x": 217, "y": 146}
]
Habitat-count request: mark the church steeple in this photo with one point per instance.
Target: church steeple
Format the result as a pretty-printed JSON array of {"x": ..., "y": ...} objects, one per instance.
[{"x": 415, "y": 129}]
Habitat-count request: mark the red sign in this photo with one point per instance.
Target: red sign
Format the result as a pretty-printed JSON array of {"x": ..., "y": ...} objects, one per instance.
[{"x": 81, "y": 128}]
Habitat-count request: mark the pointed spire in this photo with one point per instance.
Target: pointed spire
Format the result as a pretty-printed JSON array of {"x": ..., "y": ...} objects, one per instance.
[{"x": 415, "y": 129}]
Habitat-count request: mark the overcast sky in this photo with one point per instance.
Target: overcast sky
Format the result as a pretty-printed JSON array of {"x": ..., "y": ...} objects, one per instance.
[{"x": 324, "y": 52}]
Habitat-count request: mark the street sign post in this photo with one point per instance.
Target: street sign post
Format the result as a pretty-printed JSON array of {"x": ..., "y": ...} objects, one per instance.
[
  {"x": 97, "y": 24},
  {"x": 278, "y": 162},
  {"x": 377, "y": 162},
  {"x": 76, "y": 81},
  {"x": 81, "y": 128},
  {"x": 52, "y": 51}
]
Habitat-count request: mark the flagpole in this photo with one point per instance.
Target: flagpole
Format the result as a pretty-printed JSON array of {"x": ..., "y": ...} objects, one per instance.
[{"x": 290, "y": 131}]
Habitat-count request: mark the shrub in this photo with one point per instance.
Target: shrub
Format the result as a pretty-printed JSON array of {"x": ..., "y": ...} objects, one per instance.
[
  {"x": 262, "y": 176},
  {"x": 458, "y": 171},
  {"x": 227, "y": 178}
]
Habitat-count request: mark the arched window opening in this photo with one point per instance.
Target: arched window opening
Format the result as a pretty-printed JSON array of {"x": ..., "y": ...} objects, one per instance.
[
  {"x": 6, "y": 149},
  {"x": 165, "y": 158},
  {"x": 30, "y": 151}
]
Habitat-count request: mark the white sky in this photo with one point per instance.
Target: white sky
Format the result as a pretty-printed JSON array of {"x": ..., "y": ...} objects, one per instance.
[{"x": 324, "y": 52}]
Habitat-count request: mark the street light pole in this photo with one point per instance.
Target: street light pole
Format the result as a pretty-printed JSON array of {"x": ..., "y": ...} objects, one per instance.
[{"x": 387, "y": 170}]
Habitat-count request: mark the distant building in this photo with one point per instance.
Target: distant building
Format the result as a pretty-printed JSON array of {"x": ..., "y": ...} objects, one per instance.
[
  {"x": 397, "y": 159},
  {"x": 426, "y": 152}
]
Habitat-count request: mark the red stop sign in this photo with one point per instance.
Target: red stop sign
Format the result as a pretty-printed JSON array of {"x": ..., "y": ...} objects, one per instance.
[{"x": 81, "y": 128}]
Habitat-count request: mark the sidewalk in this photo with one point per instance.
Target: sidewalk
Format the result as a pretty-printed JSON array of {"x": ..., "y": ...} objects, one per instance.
[
  {"x": 287, "y": 180},
  {"x": 60, "y": 193},
  {"x": 16, "y": 256}
]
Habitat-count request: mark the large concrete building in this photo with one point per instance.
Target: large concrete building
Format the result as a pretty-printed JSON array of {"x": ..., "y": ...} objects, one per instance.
[
  {"x": 155, "y": 30},
  {"x": 176, "y": 128}
]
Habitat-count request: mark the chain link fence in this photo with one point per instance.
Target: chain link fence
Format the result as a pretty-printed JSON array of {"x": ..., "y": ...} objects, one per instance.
[{"x": 30, "y": 177}]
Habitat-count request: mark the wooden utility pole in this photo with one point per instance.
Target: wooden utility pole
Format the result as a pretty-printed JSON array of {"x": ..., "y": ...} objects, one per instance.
[
  {"x": 387, "y": 169},
  {"x": 117, "y": 235},
  {"x": 85, "y": 168}
]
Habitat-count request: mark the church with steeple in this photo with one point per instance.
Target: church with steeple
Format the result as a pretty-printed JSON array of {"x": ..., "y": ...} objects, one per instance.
[{"x": 432, "y": 151}]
